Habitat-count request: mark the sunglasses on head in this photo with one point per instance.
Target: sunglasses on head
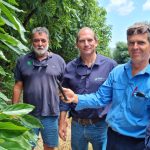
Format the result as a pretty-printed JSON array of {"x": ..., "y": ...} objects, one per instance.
[
  {"x": 40, "y": 64},
  {"x": 138, "y": 30},
  {"x": 83, "y": 71}
]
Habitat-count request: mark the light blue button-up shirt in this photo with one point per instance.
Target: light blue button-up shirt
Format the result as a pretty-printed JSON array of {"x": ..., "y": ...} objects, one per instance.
[{"x": 129, "y": 114}]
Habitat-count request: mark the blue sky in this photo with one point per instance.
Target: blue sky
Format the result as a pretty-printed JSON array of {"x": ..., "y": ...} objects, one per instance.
[{"x": 123, "y": 13}]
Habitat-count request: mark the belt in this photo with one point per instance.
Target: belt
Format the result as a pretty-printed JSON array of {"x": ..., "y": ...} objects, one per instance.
[{"x": 87, "y": 121}]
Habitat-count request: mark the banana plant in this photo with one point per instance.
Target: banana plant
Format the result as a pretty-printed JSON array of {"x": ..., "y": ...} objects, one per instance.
[{"x": 10, "y": 28}]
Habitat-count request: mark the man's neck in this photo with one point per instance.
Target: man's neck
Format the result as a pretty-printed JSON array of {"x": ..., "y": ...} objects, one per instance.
[
  {"x": 89, "y": 59},
  {"x": 137, "y": 67}
]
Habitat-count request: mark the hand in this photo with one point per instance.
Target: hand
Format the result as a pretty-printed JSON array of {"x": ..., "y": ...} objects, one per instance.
[
  {"x": 63, "y": 130},
  {"x": 71, "y": 96}
]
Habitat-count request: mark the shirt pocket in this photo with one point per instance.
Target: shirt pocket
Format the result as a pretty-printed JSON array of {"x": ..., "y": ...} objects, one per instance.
[{"x": 138, "y": 106}]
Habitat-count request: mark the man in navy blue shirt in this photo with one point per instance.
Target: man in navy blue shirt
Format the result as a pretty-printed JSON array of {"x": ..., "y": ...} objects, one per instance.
[
  {"x": 128, "y": 88},
  {"x": 84, "y": 75},
  {"x": 36, "y": 74}
]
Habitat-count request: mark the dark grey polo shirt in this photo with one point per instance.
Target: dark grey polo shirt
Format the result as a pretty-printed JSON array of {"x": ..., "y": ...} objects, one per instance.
[{"x": 39, "y": 82}]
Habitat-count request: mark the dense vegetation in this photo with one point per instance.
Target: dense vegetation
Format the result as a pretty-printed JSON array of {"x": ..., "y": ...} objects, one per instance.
[
  {"x": 64, "y": 18},
  {"x": 120, "y": 53},
  {"x": 15, "y": 123}
]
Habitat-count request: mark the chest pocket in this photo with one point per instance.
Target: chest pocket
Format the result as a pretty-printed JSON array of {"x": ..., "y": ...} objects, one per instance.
[
  {"x": 118, "y": 91},
  {"x": 138, "y": 105}
]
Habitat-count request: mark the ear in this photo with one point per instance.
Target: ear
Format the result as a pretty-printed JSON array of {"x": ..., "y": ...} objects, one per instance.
[
  {"x": 76, "y": 46},
  {"x": 96, "y": 43}
]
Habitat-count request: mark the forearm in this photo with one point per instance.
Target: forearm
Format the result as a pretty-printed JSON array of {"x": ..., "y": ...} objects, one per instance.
[
  {"x": 62, "y": 117},
  {"x": 63, "y": 125},
  {"x": 90, "y": 101},
  {"x": 17, "y": 92}
]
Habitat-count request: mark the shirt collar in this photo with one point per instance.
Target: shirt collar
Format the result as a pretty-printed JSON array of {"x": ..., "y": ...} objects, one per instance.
[
  {"x": 97, "y": 61},
  {"x": 146, "y": 70}
]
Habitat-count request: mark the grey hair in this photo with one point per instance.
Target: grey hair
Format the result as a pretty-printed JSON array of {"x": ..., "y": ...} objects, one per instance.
[
  {"x": 40, "y": 30},
  {"x": 141, "y": 24}
]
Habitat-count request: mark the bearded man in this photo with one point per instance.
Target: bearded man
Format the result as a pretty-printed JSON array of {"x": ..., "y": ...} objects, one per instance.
[{"x": 36, "y": 74}]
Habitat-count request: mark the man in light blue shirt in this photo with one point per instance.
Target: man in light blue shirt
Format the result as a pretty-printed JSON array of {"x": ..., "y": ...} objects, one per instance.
[{"x": 128, "y": 88}]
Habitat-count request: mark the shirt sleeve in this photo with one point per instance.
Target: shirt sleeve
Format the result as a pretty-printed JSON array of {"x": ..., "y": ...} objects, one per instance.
[
  {"x": 64, "y": 106},
  {"x": 17, "y": 72}
]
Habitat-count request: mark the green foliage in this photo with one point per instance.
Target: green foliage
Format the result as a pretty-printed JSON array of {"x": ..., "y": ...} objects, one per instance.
[
  {"x": 16, "y": 126},
  {"x": 120, "y": 53},
  {"x": 2, "y": 96},
  {"x": 15, "y": 123},
  {"x": 10, "y": 46},
  {"x": 64, "y": 18}
]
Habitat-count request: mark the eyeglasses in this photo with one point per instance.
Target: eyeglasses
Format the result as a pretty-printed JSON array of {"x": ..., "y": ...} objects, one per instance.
[
  {"x": 138, "y": 30},
  {"x": 40, "y": 64}
]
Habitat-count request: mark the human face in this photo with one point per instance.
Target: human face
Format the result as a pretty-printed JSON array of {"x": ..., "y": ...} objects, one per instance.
[
  {"x": 139, "y": 48},
  {"x": 86, "y": 42},
  {"x": 40, "y": 43}
]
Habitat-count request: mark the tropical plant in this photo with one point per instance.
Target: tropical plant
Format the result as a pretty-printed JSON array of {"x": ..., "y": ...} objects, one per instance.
[
  {"x": 10, "y": 47},
  {"x": 15, "y": 123},
  {"x": 16, "y": 126}
]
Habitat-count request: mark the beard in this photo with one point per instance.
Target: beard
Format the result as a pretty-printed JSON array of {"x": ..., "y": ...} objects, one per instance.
[{"x": 40, "y": 51}]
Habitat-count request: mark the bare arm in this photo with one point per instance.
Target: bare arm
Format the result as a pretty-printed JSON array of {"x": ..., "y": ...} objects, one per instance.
[
  {"x": 63, "y": 125},
  {"x": 17, "y": 92}
]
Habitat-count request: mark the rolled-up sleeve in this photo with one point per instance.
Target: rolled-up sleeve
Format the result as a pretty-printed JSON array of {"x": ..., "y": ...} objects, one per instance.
[{"x": 63, "y": 106}]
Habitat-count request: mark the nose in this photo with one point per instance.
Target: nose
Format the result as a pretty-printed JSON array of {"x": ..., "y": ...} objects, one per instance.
[
  {"x": 40, "y": 42},
  {"x": 135, "y": 45},
  {"x": 86, "y": 42}
]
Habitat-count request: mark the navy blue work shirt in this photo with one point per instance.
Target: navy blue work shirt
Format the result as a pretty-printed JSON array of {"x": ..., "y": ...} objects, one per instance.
[
  {"x": 83, "y": 80},
  {"x": 39, "y": 82}
]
